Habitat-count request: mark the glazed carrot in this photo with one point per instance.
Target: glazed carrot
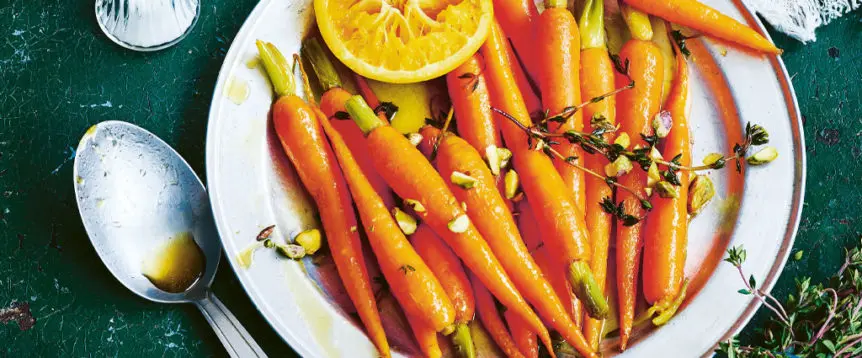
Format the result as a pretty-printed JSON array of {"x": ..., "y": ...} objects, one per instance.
[
  {"x": 563, "y": 227},
  {"x": 426, "y": 336},
  {"x": 556, "y": 275},
  {"x": 471, "y": 102},
  {"x": 301, "y": 137},
  {"x": 524, "y": 339},
  {"x": 410, "y": 280},
  {"x": 448, "y": 269},
  {"x": 517, "y": 19},
  {"x": 468, "y": 91},
  {"x": 488, "y": 210},
  {"x": 666, "y": 235},
  {"x": 635, "y": 111},
  {"x": 412, "y": 177},
  {"x": 490, "y": 318},
  {"x": 693, "y": 14},
  {"x": 332, "y": 104},
  {"x": 597, "y": 78},
  {"x": 559, "y": 80},
  {"x": 531, "y": 99}
]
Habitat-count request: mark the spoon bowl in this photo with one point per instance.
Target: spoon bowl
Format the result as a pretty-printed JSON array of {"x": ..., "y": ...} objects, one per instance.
[{"x": 134, "y": 194}]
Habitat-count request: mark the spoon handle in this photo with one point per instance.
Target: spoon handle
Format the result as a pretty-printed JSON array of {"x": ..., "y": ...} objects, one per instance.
[{"x": 235, "y": 338}]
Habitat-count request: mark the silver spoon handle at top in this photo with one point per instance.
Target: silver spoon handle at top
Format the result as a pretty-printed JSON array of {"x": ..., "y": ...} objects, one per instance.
[{"x": 235, "y": 338}]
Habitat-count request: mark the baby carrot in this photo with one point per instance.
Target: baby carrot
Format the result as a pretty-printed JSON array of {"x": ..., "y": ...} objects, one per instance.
[
  {"x": 488, "y": 210},
  {"x": 694, "y": 14},
  {"x": 332, "y": 104},
  {"x": 524, "y": 339},
  {"x": 448, "y": 269},
  {"x": 559, "y": 80},
  {"x": 301, "y": 137},
  {"x": 412, "y": 177},
  {"x": 468, "y": 91},
  {"x": 597, "y": 78},
  {"x": 635, "y": 111},
  {"x": 528, "y": 90},
  {"x": 563, "y": 228},
  {"x": 666, "y": 235},
  {"x": 411, "y": 281},
  {"x": 555, "y": 274},
  {"x": 517, "y": 19},
  {"x": 490, "y": 318}
]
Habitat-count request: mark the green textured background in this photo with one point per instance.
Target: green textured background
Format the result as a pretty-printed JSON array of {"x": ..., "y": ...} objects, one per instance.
[{"x": 59, "y": 75}]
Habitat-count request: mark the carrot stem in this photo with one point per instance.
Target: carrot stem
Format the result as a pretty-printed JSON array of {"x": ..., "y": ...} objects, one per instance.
[
  {"x": 587, "y": 290},
  {"x": 363, "y": 115},
  {"x": 463, "y": 341},
  {"x": 592, "y": 25},
  {"x": 277, "y": 68},
  {"x": 326, "y": 73}
]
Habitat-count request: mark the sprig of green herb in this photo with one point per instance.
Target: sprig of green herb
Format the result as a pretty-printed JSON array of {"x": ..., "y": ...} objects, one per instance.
[{"x": 823, "y": 320}]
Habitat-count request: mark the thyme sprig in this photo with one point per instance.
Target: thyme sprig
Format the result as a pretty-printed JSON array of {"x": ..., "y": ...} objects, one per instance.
[
  {"x": 545, "y": 145},
  {"x": 823, "y": 320},
  {"x": 570, "y": 111}
]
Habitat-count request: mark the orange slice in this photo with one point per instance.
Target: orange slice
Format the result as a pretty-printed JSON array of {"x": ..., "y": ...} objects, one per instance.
[{"x": 403, "y": 41}]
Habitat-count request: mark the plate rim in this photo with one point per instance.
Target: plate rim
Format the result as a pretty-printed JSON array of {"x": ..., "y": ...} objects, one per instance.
[
  {"x": 792, "y": 228},
  {"x": 768, "y": 282}
]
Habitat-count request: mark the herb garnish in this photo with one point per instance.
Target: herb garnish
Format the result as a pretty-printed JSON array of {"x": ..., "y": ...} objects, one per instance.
[
  {"x": 823, "y": 320},
  {"x": 541, "y": 138}
]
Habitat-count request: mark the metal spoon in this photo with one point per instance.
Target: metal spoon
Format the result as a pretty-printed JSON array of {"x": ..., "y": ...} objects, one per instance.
[{"x": 134, "y": 193}]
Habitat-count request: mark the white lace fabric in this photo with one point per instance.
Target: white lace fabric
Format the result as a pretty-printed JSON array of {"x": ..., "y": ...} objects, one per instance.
[{"x": 799, "y": 18}]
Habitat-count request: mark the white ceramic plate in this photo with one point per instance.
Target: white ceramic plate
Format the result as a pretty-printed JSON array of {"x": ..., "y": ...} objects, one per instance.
[{"x": 252, "y": 185}]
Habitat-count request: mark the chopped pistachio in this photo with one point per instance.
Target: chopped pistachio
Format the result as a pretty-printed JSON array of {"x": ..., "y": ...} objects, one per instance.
[
  {"x": 511, "y": 182},
  {"x": 623, "y": 140},
  {"x": 414, "y": 138},
  {"x": 459, "y": 224},
  {"x": 463, "y": 180},
  {"x": 763, "y": 156},
  {"x": 415, "y": 204},
  {"x": 655, "y": 154},
  {"x": 648, "y": 191},
  {"x": 619, "y": 167},
  {"x": 354, "y": 228},
  {"x": 798, "y": 255},
  {"x": 464, "y": 205},
  {"x": 268, "y": 243},
  {"x": 293, "y": 252},
  {"x": 406, "y": 222},
  {"x": 310, "y": 240},
  {"x": 667, "y": 190},
  {"x": 653, "y": 175},
  {"x": 662, "y": 123},
  {"x": 505, "y": 156},
  {"x": 712, "y": 158},
  {"x": 700, "y": 192},
  {"x": 493, "y": 158}
]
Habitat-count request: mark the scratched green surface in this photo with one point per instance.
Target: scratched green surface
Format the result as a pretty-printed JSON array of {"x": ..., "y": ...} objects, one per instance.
[{"x": 59, "y": 75}]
